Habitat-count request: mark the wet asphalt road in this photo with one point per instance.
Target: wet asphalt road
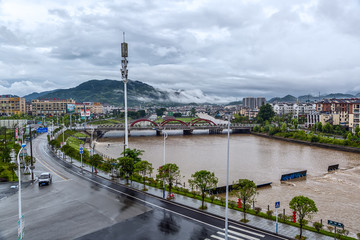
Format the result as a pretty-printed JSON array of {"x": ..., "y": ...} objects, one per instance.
[{"x": 79, "y": 205}]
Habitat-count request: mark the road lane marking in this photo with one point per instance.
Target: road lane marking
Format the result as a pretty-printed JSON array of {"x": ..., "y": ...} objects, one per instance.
[
  {"x": 217, "y": 237},
  {"x": 243, "y": 230},
  {"x": 243, "y": 235},
  {"x": 230, "y": 236},
  {"x": 46, "y": 165}
]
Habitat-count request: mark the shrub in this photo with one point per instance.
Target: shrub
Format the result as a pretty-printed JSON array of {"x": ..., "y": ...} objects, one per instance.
[
  {"x": 358, "y": 235},
  {"x": 318, "y": 226},
  {"x": 232, "y": 204},
  {"x": 212, "y": 197},
  {"x": 269, "y": 213},
  {"x": 222, "y": 200},
  {"x": 257, "y": 210}
]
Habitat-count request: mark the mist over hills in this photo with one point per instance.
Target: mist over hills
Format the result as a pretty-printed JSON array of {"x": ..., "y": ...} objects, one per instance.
[{"x": 111, "y": 92}]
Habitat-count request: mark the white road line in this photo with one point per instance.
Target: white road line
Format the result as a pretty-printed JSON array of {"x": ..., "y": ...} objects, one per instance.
[
  {"x": 253, "y": 233},
  {"x": 243, "y": 235},
  {"x": 217, "y": 237},
  {"x": 230, "y": 236}
]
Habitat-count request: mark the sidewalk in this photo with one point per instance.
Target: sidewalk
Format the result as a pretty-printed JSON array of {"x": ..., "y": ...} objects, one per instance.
[{"x": 256, "y": 221}]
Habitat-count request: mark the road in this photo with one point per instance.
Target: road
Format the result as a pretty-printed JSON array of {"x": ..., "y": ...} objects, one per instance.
[{"x": 80, "y": 205}]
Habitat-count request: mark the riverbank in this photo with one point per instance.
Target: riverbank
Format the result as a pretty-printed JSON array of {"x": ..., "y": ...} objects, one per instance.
[{"x": 313, "y": 144}]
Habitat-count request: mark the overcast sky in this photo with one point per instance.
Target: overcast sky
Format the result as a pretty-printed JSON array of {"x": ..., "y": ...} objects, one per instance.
[{"x": 230, "y": 49}]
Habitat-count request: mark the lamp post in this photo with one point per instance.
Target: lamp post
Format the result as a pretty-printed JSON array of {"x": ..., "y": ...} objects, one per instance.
[
  {"x": 124, "y": 75},
  {"x": 19, "y": 177},
  {"x": 165, "y": 136},
  {"x": 227, "y": 181}
]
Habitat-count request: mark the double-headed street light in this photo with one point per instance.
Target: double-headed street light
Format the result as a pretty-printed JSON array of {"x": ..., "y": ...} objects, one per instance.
[{"x": 19, "y": 186}]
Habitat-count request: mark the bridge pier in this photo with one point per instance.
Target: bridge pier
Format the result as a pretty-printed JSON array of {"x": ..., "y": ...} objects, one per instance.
[
  {"x": 215, "y": 131},
  {"x": 241, "y": 130},
  {"x": 187, "y": 132}
]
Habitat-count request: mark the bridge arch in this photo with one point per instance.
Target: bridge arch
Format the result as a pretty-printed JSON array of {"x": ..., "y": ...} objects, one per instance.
[
  {"x": 173, "y": 120},
  {"x": 143, "y": 120},
  {"x": 197, "y": 120}
]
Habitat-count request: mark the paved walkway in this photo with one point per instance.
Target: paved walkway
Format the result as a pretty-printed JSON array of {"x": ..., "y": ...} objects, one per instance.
[{"x": 256, "y": 221}]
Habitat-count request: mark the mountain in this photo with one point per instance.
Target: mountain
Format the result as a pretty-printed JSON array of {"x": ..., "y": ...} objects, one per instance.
[
  {"x": 287, "y": 98},
  {"x": 310, "y": 98},
  {"x": 107, "y": 92},
  {"x": 36, "y": 95}
]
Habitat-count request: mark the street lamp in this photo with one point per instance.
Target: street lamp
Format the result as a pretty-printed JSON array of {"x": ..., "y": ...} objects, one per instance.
[
  {"x": 19, "y": 177},
  {"x": 124, "y": 75},
  {"x": 165, "y": 136},
  {"x": 227, "y": 181}
]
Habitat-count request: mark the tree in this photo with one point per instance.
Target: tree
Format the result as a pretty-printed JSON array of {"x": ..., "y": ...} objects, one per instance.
[
  {"x": 245, "y": 189},
  {"x": 177, "y": 115},
  {"x": 304, "y": 207},
  {"x": 96, "y": 160},
  {"x": 143, "y": 168},
  {"x": 133, "y": 153},
  {"x": 170, "y": 173},
  {"x": 328, "y": 128},
  {"x": 160, "y": 111},
  {"x": 192, "y": 112},
  {"x": 203, "y": 180},
  {"x": 13, "y": 167},
  {"x": 266, "y": 113},
  {"x": 126, "y": 166}
]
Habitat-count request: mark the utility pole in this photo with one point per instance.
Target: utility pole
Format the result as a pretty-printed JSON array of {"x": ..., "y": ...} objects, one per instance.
[{"x": 124, "y": 76}]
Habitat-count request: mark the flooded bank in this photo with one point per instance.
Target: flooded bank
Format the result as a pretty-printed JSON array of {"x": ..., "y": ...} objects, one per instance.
[{"x": 337, "y": 194}]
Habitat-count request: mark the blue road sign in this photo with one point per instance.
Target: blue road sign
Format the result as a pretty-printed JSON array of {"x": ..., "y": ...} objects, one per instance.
[
  {"x": 277, "y": 204},
  {"x": 81, "y": 150},
  {"x": 42, "y": 130},
  {"x": 335, "y": 224}
]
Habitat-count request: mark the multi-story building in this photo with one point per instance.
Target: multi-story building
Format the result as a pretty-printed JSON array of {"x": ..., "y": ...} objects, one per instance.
[
  {"x": 91, "y": 108},
  {"x": 354, "y": 115},
  {"x": 10, "y": 105},
  {"x": 253, "y": 103},
  {"x": 50, "y": 106},
  {"x": 343, "y": 112}
]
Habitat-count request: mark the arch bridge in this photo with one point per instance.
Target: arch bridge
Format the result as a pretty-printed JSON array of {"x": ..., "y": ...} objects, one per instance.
[{"x": 172, "y": 124}]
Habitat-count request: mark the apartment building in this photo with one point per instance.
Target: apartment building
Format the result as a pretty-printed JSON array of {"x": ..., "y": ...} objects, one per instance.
[
  {"x": 50, "y": 106},
  {"x": 10, "y": 105},
  {"x": 91, "y": 108},
  {"x": 343, "y": 112},
  {"x": 354, "y": 115},
  {"x": 253, "y": 103}
]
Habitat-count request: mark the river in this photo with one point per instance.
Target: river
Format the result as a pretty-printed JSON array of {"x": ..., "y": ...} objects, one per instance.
[{"x": 336, "y": 194}]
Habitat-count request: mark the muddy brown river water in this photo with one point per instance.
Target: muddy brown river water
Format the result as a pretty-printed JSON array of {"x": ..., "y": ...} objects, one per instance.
[{"x": 336, "y": 194}]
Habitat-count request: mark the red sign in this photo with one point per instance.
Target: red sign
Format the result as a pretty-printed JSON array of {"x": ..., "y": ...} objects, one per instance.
[{"x": 239, "y": 203}]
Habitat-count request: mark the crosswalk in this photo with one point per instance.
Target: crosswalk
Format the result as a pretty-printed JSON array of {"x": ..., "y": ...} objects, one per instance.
[{"x": 237, "y": 234}]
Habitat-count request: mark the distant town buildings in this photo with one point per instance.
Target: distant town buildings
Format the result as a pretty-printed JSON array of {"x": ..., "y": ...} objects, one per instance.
[
  {"x": 50, "y": 106},
  {"x": 343, "y": 112},
  {"x": 12, "y": 105},
  {"x": 253, "y": 103}
]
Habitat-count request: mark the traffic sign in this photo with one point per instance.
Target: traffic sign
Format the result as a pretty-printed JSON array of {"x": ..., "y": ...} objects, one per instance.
[
  {"x": 42, "y": 130},
  {"x": 335, "y": 224},
  {"x": 277, "y": 204},
  {"x": 81, "y": 150}
]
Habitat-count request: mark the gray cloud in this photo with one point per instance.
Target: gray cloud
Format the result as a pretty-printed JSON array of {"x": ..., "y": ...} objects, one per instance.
[{"x": 231, "y": 50}]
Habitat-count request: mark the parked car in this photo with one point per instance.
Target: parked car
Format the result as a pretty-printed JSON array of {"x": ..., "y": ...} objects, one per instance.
[{"x": 45, "y": 179}]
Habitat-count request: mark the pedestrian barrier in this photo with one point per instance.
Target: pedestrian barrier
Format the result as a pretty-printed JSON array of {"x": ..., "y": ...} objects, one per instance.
[
  {"x": 333, "y": 167},
  {"x": 290, "y": 176}
]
